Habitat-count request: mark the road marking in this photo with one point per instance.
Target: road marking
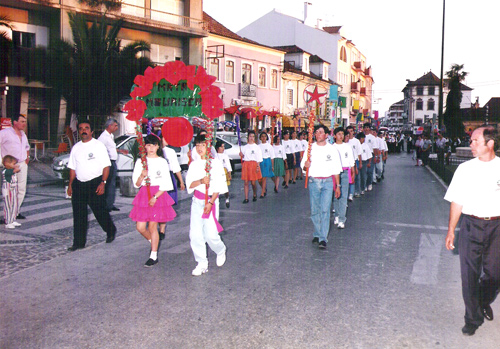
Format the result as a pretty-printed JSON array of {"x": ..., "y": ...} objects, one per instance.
[
  {"x": 425, "y": 268},
  {"x": 389, "y": 237},
  {"x": 407, "y": 225}
]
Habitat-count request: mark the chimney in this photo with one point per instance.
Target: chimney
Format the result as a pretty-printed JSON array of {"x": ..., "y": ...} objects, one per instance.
[{"x": 306, "y": 19}]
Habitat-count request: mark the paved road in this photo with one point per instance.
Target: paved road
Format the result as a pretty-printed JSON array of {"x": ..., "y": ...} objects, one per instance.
[{"x": 386, "y": 281}]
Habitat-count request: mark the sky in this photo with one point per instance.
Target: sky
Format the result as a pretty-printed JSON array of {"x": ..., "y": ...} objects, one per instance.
[{"x": 401, "y": 39}]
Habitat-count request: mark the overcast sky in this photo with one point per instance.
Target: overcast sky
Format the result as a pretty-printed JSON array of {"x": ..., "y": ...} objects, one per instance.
[{"x": 401, "y": 39}]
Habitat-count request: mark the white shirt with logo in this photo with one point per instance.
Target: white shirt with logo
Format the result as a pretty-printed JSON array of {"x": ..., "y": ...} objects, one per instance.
[
  {"x": 366, "y": 153},
  {"x": 356, "y": 147},
  {"x": 346, "y": 154},
  {"x": 279, "y": 151},
  {"x": 288, "y": 146},
  {"x": 158, "y": 172},
  {"x": 371, "y": 141},
  {"x": 88, "y": 159},
  {"x": 197, "y": 171},
  {"x": 325, "y": 161},
  {"x": 267, "y": 150},
  {"x": 251, "y": 152}
]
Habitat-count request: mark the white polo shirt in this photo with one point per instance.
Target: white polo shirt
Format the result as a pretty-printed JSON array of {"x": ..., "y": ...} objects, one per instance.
[
  {"x": 108, "y": 140},
  {"x": 88, "y": 159},
  {"x": 345, "y": 153},
  {"x": 325, "y": 161}
]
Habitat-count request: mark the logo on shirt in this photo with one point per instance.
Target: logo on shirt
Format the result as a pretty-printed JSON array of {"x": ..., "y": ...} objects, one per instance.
[
  {"x": 158, "y": 173},
  {"x": 265, "y": 151},
  {"x": 328, "y": 157},
  {"x": 252, "y": 152},
  {"x": 346, "y": 155},
  {"x": 91, "y": 156}
]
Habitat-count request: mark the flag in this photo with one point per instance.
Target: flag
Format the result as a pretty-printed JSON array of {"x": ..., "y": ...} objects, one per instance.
[
  {"x": 342, "y": 102},
  {"x": 334, "y": 93},
  {"x": 355, "y": 105}
]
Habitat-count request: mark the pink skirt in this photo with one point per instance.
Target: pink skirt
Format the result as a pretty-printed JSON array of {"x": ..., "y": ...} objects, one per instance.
[{"x": 161, "y": 212}]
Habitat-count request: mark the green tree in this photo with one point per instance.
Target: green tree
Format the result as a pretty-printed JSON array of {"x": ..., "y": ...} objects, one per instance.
[
  {"x": 5, "y": 46},
  {"x": 93, "y": 72},
  {"x": 451, "y": 117}
]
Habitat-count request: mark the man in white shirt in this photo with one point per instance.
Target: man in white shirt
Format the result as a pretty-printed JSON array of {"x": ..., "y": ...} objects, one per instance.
[
  {"x": 89, "y": 170},
  {"x": 356, "y": 149},
  {"x": 108, "y": 139},
  {"x": 324, "y": 170},
  {"x": 383, "y": 156},
  {"x": 372, "y": 143},
  {"x": 474, "y": 193}
]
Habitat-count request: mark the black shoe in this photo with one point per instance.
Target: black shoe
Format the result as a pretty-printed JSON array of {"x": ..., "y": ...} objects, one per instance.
[
  {"x": 322, "y": 244},
  {"x": 162, "y": 235},
  {"x": 254, "y": 198},
  {"x": 290, "y": 181},
  {"x": 245, "y": 201},
  {"x": 110, "y": 238},
  {"x": 20, "y": 216},
  {"x": 378, "y": 180},
  {"x": 283, "y": 184},
  {"x": 315, "y": 240},
  {"x": 469, "y": 329},
  {"x": 262, "y": 197},
  {"x": 115, "y": 208},
  {"x": 275, "y": 190},
  {"x": 74, "y": 248},
  {"x": 294, "y": 182},
  {"x": 488, "y": 312},
  {"x": 2, "y": 221},
  {"x": 227, "y": 204},
  {"x": 286, "y": 186},
  {"x": 151, "y": 262}
]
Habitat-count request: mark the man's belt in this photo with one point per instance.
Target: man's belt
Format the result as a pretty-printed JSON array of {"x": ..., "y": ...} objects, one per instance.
[{"x": 485, "y": 218}]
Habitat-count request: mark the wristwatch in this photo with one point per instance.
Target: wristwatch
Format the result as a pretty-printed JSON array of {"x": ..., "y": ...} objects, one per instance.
[{"x": 104, "y": 182}]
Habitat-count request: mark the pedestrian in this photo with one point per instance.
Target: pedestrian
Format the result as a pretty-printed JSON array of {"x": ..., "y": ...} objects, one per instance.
[
  {"x": 297, "y": 148},
  {"x": 88, "y": 172},
  {"x": 366, "y": 159},
  {"x": 13, "y": 141},
  {"x": 290, "y": 158},
  {"x": 267, "y": 164},
  {"x": 174, "y": 167},
  {"x": 474, "y": 194},
  {"x": 304, "y": 144},
  {"x": 356, "y": 149},
  {"x": 383, "y": 156},
  {"x": 279, "y": 162},
  {"x": 347, "y": 161},
  {"x": 152, "y": 204},
  {"x": 372, "y": 143},
  {"x": 108, "y": 139},
  {"x": 204, "y": 227},
  {"x": 9, "y": 191},
  {"x": 426, "y": 149},
  {"x": 226, "y": 163},
  {"x": 324, "y": 168},
  {"x": 418, "y": 150},
  {"x": 250, "y": 170}
]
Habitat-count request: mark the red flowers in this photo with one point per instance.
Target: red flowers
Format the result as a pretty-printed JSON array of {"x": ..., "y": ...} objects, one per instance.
[{"x": 174, "y": 72}]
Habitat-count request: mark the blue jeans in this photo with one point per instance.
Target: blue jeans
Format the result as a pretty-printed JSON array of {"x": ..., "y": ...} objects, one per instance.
[
  {"x": 110, "y": 189},
  {"x": 340, "y": 204},
  {"x": 356, "y": 187},
  {"x": 369, "y": 174},
  {"x": 320, "y": 195},
  {"x": 362, "y": 176}
]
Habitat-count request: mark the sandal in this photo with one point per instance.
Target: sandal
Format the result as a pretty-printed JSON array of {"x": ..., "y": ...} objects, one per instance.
[
  {"x": 254, "y": 198},
  {"x": 245, "y": 201},
  {"x": 275, "y": 190}
]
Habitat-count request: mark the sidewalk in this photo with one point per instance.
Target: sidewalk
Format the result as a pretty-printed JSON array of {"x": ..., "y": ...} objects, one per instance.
[{"x": 40, "y": 173}]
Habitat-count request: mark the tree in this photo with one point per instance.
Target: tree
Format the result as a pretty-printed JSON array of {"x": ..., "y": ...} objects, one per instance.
[
  {"x": 93, "y": 72},
  {"x": 451, "y": 117},
  {"x": 5, "y": 46}
]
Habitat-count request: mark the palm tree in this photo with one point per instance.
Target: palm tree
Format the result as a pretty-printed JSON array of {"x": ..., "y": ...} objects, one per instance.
[
  {"x": 93, "y": 72},
  {"x": 5, "y": 46},
  {"x": 452, "y": 120}
]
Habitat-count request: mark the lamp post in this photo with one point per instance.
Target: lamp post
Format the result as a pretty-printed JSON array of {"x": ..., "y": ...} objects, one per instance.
[{"x": 440, "y": 108}]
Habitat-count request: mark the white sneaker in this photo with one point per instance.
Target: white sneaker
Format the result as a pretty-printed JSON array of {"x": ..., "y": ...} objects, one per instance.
[
  {"x": 370, "y": 187},
  {"x": 16, "y": 224},
  {"x": 362, "y": 192},
  {"x": 336, "y": 221},
  {"x": 341, "y": 225},
  {"x": 221, "y": 259},
  {"x": 199, "y": 270},
  {"x": 351, "y": 197},
  {"x": 10, "y": 226}
]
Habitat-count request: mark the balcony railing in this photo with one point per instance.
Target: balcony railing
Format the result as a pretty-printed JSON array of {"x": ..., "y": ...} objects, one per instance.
[
  {"x": 362, "y": 91},
  {"x": 248, "y": 90},
  {"x": 359, "y": 66},
  {"x": 355, "y": 86}
]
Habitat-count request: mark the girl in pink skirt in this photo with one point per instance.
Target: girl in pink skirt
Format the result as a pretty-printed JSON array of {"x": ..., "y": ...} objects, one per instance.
[{"x": 154, "y": 206}]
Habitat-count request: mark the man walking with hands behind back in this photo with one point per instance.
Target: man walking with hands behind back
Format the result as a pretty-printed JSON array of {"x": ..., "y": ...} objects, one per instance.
[
  {"x": 474, "y": 193},
  {"x": 89, "y": 169},
  {"x": 108, "y": 139}
]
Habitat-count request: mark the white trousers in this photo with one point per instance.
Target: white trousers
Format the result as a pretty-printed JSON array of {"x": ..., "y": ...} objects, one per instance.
[
  {"x": 204, "y": 231},
  {"x": 22, "y": 179}
]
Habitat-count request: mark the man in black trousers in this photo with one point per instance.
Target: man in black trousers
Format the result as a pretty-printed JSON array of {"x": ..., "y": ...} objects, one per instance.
[{"x": 89, "y": 169}]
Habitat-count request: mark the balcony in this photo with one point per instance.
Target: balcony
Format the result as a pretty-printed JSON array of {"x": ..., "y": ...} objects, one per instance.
[
  {"x": 355, "y": 86},
  {"x": 247, "y": 90},
  {"x": 359, "y": 66},
  {"x": 362, "y": 91},
  {"x": 368, "y": 72}
]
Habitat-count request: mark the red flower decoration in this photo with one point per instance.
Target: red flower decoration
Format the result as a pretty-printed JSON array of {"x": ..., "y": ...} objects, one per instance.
[
  {"x": 234, "y": 109},
  {"x": 139, "y": 92},
  {"x": 202, "y": 79},
  {"x": 174, "y": 71},
  {"x": 212, "y": 105},
  {"x": 141, "y": 80},
  {"x": 156, "y": 74},
  {"x": 135, "y": 108}
]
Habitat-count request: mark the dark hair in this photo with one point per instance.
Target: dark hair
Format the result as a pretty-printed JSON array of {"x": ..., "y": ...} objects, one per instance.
[
  {"x": 251, "y": 132},
  {"x": 491, "y": 134},
  {"x": 349, "y": 128},
  {"x": 154, "y": 139},
  {"x": 360, "y": 135},
  {"x": 83, "y": 121},
  {"x": 262, "y": 133},
  {"x": 218, "y": 144},
  {"x": 367, "y": 124},
  {"x": 338, "y": 129},
  {"x": 16, "y": 117},
  {"x": 8, "y": 158},
  {"x": 199, "y": 139},
  {"x": 276, "y": 139},
  {"x": 285, "y": 132},
  {"x": 325, "y": 128}
]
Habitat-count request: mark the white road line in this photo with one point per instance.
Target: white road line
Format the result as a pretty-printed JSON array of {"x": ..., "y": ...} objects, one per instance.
[
  {"x": 420, "y": 226},
  {"x": 425, "y": 268}
]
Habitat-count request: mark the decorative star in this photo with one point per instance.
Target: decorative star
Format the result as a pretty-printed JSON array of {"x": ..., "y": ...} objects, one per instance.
[{"x": 315, "y": 95}]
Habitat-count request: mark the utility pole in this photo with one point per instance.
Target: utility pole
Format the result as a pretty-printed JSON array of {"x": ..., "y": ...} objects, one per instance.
[{"x": 440, "y": 108}]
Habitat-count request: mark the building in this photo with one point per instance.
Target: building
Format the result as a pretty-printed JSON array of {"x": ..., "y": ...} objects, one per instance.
[
  {"x": 249, "y": 74},
  {"x": 395, "y": 120},
  {"x": 348, "y": 66},
  {"x": 174, "y": 29},
  {"x": 421, "y": 98}
]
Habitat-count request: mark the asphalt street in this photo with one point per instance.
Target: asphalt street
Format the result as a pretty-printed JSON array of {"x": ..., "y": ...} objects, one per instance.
[{"x": 385, "y": 281}]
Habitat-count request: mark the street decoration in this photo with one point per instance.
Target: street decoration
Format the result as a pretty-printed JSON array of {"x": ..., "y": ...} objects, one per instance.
[{"x": 174, "y": 91}]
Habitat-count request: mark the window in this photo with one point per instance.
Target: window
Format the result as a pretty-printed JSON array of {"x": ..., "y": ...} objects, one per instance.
[
  {"x": 343, "y": 54},
  {"x": 289, "y": 97},
  {"x": 246, "y": 73},
  {"x": 22, "y": 39},
  {"x": 430, "y": 104},
  {"x": 229, "y": 71},
  {"x": 262, "y": 76},
  {"x": 420, "y": 91},
  {"x": 274, "y": 78},
  {"x": 214, "y": 68},
  {"x": 431, "y": 91},
  {"x": 420, "y": 104}
]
